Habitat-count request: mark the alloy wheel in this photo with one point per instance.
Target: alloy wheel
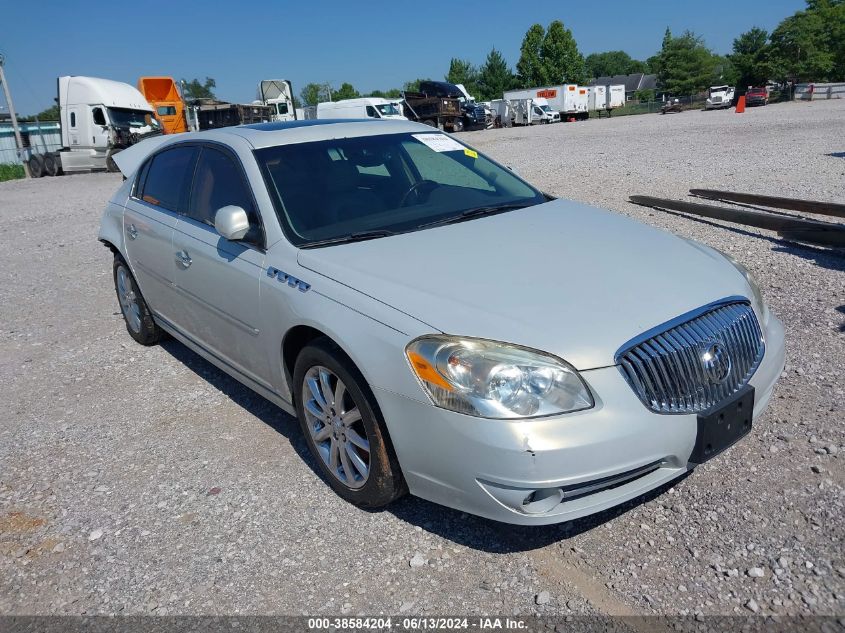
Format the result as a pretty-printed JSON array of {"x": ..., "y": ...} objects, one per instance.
[{"x": 336, "y": 427}]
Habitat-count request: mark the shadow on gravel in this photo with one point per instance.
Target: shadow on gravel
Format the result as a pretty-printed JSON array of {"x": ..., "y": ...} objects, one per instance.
[
  {"x": 830, "y": 258},
  {"x": 458, "y": 527}
]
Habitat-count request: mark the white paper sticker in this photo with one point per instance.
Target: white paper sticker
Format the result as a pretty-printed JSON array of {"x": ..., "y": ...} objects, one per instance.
[{"x": 439, "y": 142}]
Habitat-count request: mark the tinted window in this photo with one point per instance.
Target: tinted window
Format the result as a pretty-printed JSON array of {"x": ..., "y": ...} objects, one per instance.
[
  {"x": 73, "y": 119},
  {"x": 99, "y": 117},
  {"x": 371, "y": 111},
  {"x": 168, "y": 178},
  {"x": 218, "y": 183},
  {"x": 166, "y": 110}
]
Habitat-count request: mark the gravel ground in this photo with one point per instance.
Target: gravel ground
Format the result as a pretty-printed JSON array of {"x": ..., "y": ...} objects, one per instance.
[{"x": 138, "y": 480}]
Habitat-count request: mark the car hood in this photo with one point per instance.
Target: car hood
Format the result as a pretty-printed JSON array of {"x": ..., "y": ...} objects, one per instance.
[{"x": 561, "y": 277}]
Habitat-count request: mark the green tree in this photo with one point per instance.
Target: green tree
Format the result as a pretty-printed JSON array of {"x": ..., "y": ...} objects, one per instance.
[
  {"x": 561, "y": 61},
  {"x": 195, "y": 90},
  {"x": 529, "y": 68},
  {"x": 750, "y": 58},
  {"x": 685, "y": 66},
  {"x": 494, "y": 77},
  {"x": 312, "y": 94},
  {"x": 463, "y": 72},
  {"x": 612, "y": 63},
  {"x": 810, "y": 44},
  {"x": 414, "y": 85},
  {"x": 346, "y": 91}
]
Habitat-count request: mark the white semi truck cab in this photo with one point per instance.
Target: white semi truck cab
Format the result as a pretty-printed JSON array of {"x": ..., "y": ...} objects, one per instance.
[
  {"x": 98, "y": 118},
  {"x": 278, "y": 94}
]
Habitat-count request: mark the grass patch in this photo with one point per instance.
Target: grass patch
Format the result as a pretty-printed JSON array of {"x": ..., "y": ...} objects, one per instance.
[{"x": 10, "y": 171}]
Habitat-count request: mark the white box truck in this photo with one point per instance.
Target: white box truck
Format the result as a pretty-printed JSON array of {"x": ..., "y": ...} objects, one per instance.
[
  {"x": 362, "y": 108},
  {"x": 570, "y": 100},
  {"x": 98, "y": 118}
]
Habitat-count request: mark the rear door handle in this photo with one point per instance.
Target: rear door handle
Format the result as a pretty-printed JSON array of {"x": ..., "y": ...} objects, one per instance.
[
  {"x": 132, "y": 231},
  {"x": 184, "y": 259}
]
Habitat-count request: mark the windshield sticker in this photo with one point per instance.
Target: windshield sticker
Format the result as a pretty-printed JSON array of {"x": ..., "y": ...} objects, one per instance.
[
  {"x": 439, "y": 142},
  {"x": 471, "y": 153}
]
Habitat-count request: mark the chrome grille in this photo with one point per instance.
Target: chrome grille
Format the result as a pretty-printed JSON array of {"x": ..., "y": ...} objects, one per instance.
[{"x": 672, "y": 368}]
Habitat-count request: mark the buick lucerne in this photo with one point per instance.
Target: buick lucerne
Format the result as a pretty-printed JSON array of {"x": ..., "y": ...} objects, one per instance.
[{"x": 438, "y": 325}]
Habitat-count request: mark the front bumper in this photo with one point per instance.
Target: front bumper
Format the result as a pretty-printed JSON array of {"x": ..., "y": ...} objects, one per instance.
[{"x": 550, "y": 470}]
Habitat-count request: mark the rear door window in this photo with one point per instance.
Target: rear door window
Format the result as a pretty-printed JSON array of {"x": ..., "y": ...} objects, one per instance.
[{"x": 168, "y": 178}]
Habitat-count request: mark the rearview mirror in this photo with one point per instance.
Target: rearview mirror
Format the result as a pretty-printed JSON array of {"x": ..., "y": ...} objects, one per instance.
[{"x": 231, "y": 222}]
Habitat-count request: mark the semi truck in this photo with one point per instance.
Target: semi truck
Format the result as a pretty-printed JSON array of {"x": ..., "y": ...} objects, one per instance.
[
  {"x": 570, "y": 100},
  {"x": 278, "y": 95},
  {"x": 98, "y": 118},
  {"x": 163, "y": 94}
]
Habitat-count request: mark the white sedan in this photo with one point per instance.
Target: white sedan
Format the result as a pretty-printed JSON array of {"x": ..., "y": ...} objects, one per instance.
[{"x": 438, "y": 325}]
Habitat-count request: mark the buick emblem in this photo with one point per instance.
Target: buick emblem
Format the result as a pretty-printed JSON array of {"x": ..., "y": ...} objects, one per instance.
[{"x": 715, "y": 361}]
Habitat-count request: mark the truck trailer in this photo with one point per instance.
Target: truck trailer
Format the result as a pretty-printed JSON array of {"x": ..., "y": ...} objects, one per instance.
[
  {"x": 163, "y": 94},
  {"x": 98, "y": 118},
  {"x": 570, "y": 100}
]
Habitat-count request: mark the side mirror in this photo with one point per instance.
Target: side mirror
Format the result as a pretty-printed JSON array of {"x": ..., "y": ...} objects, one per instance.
[{"x": 231, "y": 222}]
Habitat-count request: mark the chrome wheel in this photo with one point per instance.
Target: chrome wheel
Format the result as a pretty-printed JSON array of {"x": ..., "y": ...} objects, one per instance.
[
  {"x": 128, "y": 300},
  {"x": 334, "y": 422}
]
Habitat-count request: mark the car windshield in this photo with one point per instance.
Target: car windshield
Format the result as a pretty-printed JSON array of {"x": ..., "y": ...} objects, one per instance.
[
  {"x": 546, "y": 108},
  {"x": 387, "y": 109},
  {"x": 129, "y": 118},
  {"x": 372, "y": 186}
]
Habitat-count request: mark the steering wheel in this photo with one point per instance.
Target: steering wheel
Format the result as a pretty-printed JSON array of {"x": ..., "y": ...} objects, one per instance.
[{"x": 416, "y": 187}]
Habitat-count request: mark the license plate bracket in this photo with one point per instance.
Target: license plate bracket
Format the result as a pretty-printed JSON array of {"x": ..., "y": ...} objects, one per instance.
[{"x": 721, "y": 427}]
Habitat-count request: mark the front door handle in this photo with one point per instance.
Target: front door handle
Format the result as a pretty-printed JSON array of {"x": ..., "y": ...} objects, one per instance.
[
  {"x": 132, "y": 231},
  {"x": 184, "y": 259}
]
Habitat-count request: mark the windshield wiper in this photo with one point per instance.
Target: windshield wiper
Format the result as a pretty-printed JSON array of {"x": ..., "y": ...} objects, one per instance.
[
  {"x": 475, "y": 212},
  {"x": 358, "y": 236}
]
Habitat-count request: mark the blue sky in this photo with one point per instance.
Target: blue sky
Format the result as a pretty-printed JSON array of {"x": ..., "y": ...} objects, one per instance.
[{"x": 369, "y": 44}]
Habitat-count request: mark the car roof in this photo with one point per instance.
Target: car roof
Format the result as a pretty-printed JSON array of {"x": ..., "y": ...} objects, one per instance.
[{"x": 261, "y": 135}]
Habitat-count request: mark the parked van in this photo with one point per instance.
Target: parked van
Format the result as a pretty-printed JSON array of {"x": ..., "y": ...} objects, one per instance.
[
  {"x": 362, "y": 108},
  {"x": 163, "y": 95}
]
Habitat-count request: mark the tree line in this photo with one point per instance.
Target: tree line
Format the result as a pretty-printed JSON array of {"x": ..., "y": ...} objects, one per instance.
[{"x": 806, "y": 46}]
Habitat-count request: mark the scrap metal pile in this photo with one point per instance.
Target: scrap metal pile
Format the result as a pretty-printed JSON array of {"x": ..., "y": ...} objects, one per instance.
[{"x": 788, "y": 226}]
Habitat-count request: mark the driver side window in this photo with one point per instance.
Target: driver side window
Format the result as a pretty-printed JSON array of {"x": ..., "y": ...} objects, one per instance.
[
  {"x": 218, "y": 182},
  {"x": 99, "y": 116}
]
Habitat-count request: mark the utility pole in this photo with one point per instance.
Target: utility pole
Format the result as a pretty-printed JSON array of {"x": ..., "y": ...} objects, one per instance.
[{"x": 10, "y": 103}]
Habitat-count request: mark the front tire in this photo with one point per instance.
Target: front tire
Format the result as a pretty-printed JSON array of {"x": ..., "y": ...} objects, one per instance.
[
  {"x": 137, "y": 316},
  {"x": 343, "y": 428}
]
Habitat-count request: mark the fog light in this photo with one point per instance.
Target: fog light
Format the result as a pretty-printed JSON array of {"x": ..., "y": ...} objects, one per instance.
[{"x": 543, "y": 500}]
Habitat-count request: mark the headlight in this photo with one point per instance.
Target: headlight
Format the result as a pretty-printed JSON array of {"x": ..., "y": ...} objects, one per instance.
[
  {"x": 495, "y": 380},
  {"x": 757, "y": 298}
]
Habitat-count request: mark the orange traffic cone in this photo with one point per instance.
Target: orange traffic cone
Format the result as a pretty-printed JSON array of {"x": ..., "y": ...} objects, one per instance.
[{"x": 740, "y": 105}]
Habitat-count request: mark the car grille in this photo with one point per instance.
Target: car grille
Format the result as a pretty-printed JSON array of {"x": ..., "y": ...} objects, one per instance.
[{"x": 693, "y": 363}]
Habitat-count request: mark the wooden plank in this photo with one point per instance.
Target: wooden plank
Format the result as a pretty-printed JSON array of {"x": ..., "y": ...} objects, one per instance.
[{"x": 792, "y": 204}]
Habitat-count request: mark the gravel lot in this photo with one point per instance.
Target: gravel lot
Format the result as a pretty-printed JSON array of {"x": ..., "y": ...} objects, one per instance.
[{"x": 138, "y": 480}]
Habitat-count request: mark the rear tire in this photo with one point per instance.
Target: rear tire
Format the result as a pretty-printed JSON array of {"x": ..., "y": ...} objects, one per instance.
[
  {"x": 136, "y": 314},
  {"x": 343, "y": 427},
  {"x": 51, "y": 164},
  {"x": 36, "y": 165}
]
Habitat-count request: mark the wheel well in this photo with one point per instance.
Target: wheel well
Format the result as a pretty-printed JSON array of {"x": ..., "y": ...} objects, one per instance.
[
  {"x": 295, "y": 340},
  {"x": 110, "y": 246}
]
